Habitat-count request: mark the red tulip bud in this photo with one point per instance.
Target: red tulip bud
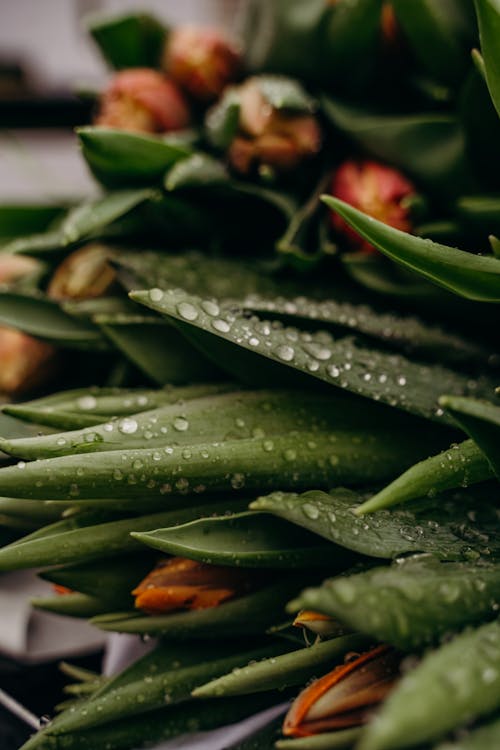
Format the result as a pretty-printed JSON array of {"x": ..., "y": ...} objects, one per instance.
[
  {"x": 375, "y": 189},
  {"x": 344, "y": 697},
  {"x": 141, "y": 99},
  {"x": 179, "y": 583},
  {"x": 201, "y": 61}
]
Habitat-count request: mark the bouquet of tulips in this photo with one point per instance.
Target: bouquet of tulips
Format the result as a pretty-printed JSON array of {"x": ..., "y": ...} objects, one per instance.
[{"x": 263, "y": 428}]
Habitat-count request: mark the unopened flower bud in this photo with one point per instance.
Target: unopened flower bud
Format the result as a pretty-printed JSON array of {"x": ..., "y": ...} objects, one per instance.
[
  {"x": 85, "y": 273},
  {"x": 377, "y": 190},
  {"x": 179, "y": 583},
  {"x": 143, "y": 100},
  {"x": 346, "y": 696},
  {"x": 27, "y": 363},
  {"x": 322, "y": 625},
  {"x": 201, "y": 61},
  {"x": 15, "y": 267}
]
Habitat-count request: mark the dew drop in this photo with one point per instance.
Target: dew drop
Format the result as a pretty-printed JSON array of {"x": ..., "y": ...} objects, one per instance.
[
  {"x": 155, "y": 295},
  {"x": 181, "y": 424},
  {"x": 128, "y": 426},
  {"x": 87, "y": 402},
  {"x": 221, "y": 325},
  {"x": 285, "y": 353},
  {"x": 187, "y": 311}
]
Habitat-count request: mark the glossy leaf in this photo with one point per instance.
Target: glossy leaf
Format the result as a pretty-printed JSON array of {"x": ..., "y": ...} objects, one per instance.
[
  {"x": 481, "y": 420},
  {"x": 488, "y": 16},
  {"x": 459, "y": 528},
  {"x": 428, "y": 147},
  {"x": 73, "y": 604},
  {"x": 235, "y": 339},
  {"x": 410, "y": 604},
  {"x": 476, "y": 277},
  {"x": 43, "y": 318},
  {"x": 19, "y": 219},
  {"x": 450, "y": 687},
  {"x": 130, "y": 40},
  {"x": 217, "y": 417},
  {"x": 343, "y": 738},
  {"x": 196, "y": 171},
  {"x": 251, "y": 614},
  {"x": 92, "y": 542},
  {"x": 282, "y": 671},
  {"x": 251, "y": 540},
  {"x": 461, "y": 465},
  {"x": 88, "y": 218},
  {"x": 117, "y": 156}
]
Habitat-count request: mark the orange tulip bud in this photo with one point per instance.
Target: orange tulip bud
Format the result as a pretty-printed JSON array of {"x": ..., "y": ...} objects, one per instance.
[
  {"x": 346, "y": 696},
  {"x": 179, "y": 583},
  {"x": 375, "y": 189},
  {"x": 83, "y": 274},
  {"x": 201, "y": 61},
  {"x": 61, "y": 590},
  {"x": 141, "y": 99},
  {"x": 26, "y": 362},
  {"x": 317, "y": 623}
]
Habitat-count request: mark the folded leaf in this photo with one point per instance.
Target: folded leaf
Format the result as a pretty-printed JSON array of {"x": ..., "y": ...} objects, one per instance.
[
  {"x": 461, "y": 465},
  {"x": 251, "y": 540},
  {"x": 260, "y": 349},
  {"x": 451, "y": 529},
  {"x": 476, "y": 277},
  {"x": 410, "y": 604},
  {"x": 282, "y": 671},
  {"x": 74, "y": 604},
  {"x": 481, "y": 420},
  {"x": 450, "y": 687},
  {"x": 91, "y": 216}
]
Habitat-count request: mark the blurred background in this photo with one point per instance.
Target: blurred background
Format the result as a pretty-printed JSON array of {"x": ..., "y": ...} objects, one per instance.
[{"x": 46, "y": 60}]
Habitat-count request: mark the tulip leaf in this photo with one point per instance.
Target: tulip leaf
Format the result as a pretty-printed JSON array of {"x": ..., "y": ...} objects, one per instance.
[
  {"x": 451, "y": 686},
  {"x": 410, "y": 604},
  {"x": 342, "y": 738},
  {"x": 428, "y": 147},
  {"x": 461, "y": 465},
  {"x": 251, "y": 540},
  {"x": 88, "y": 406},
  {"x": 196, "y": 171},
  {"x": 483, "y": 738},
  {"x": 22, "y": 219},
  {"x": 158, "y": 350},
  {"x": 75, "y": 604},
  {"x": 476, "y": 277},
  {"x": 116, "y": 156},
  {"x": 281, "y": 92},
  {"x": 250, "y": 614},
  {"x": 283, "y": 671},
  {"x": 481, "y": 420},
  {"x": 44, "y": 319},
  {"x": 130, "y": 40},
  {"x": 197, "y": 665},
  {"x": 458, "y": 528},
  {"x": 91, "y": 216},
  {"x": 216, "y": 417},
  {"x": 488, "y": 16},
  {"x": 480, "y": 210},
  {"x": 92, "y": 542},
  {"x": 286, "y": 353}
]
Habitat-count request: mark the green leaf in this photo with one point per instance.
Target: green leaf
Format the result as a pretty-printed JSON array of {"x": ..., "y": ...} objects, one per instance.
[
  {"x": 130, "y": 40},
  {"x": 481, "y": 420},
  {"x": 476, "y": 277},
  {"x": 251, "y": 614},
  {"x": 196, "y": 171},
  {"x": 117, "y": 157},
  {"x": 285, "y": 93},
  {"x": 60, "y": 546},
  {"x": 201, "y": 663},
  {"x": 221, "y": 120},
  {"x": 88, "y": 406},
  {"x": 283, "y": 671},
  {"x": 73, "y": 605},
  {"x": 158, "y": 350},
  {"x": 44, "y": 319},
  {"x": 444, "y": 529},
  {"x": 410, "y": 604},
  {"x": 251, "y": 540},
  {"x": 462, "y": 465},
  {"x": 215, "y": 417},
  {"x": 484, "y": 738},
  {"x": 236, "y": 340},
  {"x": 488, "y": 16},
  {"x": 342, "y": 738},
  {"x": 481, "y": 212},
  {"x": 19, "y": 219},
  {"x": 428, "y": 147},
  {"x": 438, "y": 27},
  {"x": 450, "y": 687},
  {"x": 89, "y": 217}
]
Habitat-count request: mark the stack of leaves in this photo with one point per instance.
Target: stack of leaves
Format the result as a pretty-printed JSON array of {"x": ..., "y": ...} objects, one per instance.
[{"x": 271, "y": 442}]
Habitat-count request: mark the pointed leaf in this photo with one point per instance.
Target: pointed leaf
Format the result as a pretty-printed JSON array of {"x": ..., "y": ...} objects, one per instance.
[
  {"x": 410, "y": 604},
  {"x": 488, "y": 16},
  {"x": 130, "y": 40},
  {"x": 481, "y": 420},
  {"x": 476, "y": 277},
  {"x": 74, "y": 604},
  {"x": 459, "y": 528},
  {"x": 235, "y": 339},
  {"x": 450, "y": 687},
  {"x": 484, "y": 738},
  {"x": 342, "y": 738}
]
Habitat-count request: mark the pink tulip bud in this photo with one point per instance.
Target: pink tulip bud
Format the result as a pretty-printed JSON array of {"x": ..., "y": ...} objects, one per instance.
[
  {"x": 201, "y": 61},
  {"x": 375, "y": 189},
  {"x": 143, "y": 100}
]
